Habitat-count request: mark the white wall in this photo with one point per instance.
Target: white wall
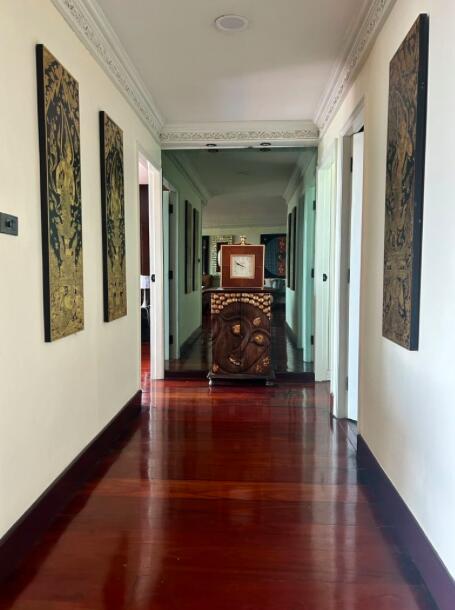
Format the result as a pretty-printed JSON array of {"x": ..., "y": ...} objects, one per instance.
[
  {"x": 299, "y": 301},
  {"x": 55, "y": 397},
  {"x": 407, "y": 415}
]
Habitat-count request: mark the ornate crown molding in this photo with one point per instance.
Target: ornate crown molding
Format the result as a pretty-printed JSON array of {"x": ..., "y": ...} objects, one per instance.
[
  {"x": 231, "y": 135},
  {"x": 90, "y": 24},
  {"x": 184, "y": 165},
  {"x": 360, "y": 44}
]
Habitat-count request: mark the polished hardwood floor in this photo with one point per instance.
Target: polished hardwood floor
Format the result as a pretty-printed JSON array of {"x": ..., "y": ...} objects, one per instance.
[
  {"x": 220, "y": 499},
  {"x": 197, "y": 355}
]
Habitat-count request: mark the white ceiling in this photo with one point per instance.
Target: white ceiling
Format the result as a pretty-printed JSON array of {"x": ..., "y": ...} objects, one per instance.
[
  {"x": 278, "y": 69},
  {"x": 244, "y": 187}
]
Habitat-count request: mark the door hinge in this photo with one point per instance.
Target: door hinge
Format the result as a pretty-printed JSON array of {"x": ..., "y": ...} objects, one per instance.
[
  {"x": 171, "y": 208},
  {"x": 171, "y": 274},
  {"x": 152, "y": 278},
  {"x": 312, "y": 274},
  {"x": 352, "y": 164},
  {"x": 347, "y": 384},
  {"x": 312, "y": 340},
  {"x": 348, "y": 276},
  {"x": 314, "y": 204},
  {"x": 171, "y": 339}
]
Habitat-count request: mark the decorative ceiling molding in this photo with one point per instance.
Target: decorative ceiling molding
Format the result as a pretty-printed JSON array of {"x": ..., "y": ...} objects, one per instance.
[
  {"x": 297, "y": 176},
  {"x": 360, "y": 44},
  {"x": 90, "y": 24},
  {"x": 243, "y": 134},
  {"x": 185, "y": 167}
]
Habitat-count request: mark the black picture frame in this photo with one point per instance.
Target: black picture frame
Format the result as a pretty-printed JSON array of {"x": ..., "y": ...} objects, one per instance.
[
  {"x": 294, "y": 248},
  {"x": 61, "y": 202},
  {"x": 189, "y": 242},
  {"x": 289, "y": 252},
  {"x": 196, "y": 256},
  {"x": 112, "y": 219}
]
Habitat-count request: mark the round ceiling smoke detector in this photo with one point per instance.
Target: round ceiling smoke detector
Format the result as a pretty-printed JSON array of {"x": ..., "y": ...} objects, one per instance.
[{"x": 231, "y": 23}]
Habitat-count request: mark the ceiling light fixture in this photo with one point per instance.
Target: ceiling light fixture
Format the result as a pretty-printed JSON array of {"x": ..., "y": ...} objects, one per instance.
[
  {"x": 212, "y": 148},
  {"x": 231, "y": 23},
  {"x": 265, "y": 146}
]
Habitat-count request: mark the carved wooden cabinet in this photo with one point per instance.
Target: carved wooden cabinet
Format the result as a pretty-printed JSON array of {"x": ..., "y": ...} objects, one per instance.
[{"x": 241, "y": 335}]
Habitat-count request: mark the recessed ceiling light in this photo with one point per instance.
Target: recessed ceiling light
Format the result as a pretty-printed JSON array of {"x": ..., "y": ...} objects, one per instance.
[{"x": 231, "y": 23}]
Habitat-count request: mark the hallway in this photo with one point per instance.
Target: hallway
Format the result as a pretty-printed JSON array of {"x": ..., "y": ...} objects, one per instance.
[{"x": 231, "y": 498}]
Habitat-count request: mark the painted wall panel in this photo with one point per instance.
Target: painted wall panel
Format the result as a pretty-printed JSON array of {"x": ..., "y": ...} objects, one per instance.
[{"x": 48, "y": 413}]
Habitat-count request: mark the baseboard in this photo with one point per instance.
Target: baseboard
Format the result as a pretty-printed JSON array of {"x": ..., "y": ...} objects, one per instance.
[
  {"x": 26, "y": 532},
  {"x": 439, "y": 582},
  {"x": 291, "y": 377},
  {"x": 292, "y": 336},
  {"x": 190, "y": 340}
]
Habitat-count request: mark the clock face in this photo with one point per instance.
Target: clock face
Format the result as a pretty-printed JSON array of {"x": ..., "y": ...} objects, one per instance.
[{"x": 243, "y": 266}]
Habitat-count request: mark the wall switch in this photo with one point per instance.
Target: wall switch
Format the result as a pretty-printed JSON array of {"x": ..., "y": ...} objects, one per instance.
[{"x": 9, "y": 224}]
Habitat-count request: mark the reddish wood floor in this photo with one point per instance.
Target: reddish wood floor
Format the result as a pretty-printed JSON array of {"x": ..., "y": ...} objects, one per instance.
[{"x": 223, "y": 499}]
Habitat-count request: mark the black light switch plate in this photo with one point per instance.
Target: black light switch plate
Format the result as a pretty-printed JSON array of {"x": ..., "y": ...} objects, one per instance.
[{"x": 9, "y": 224}]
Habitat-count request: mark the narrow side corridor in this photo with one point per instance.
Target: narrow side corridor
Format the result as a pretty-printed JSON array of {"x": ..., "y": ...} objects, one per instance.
[{"x": 231, "y": 498}]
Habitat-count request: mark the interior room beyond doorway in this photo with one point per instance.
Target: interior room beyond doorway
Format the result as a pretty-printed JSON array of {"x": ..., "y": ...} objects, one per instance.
[{"x": 264, "y": 195}]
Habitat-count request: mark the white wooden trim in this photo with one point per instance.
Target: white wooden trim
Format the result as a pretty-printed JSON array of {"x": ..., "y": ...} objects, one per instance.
[
  {"x": 351, "y": 60},
  {"x": 239, "y": 134},
  {"x": 88, "y": 21},
  {"x": 156, "y": 264}
]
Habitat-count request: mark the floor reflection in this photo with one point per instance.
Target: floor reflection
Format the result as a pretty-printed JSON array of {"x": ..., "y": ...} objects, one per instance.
[{"x": 239, "y": 497}]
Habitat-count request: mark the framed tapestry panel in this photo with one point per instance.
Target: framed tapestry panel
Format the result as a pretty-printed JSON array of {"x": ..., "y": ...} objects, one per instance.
[
  {"x": 275, "y": 255},
  {"x": 196, "y": 257},
  {"x": 291, "y": 253},
  {"x": 61, "y": 209},
  {"x": 113, "y": 219},
  {"x": 404, "y": 187},
  {"x": 189, "y": 250}
]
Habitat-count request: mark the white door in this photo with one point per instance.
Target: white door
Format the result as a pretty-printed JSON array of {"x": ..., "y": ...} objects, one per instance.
[
  {"x": 156, "y": 273},
  {"x": 354, "y": 273},
  {"x": 308, "y": 274},
  {"x": 166, "y": 248},
  {"x": 322, "y": 269}
]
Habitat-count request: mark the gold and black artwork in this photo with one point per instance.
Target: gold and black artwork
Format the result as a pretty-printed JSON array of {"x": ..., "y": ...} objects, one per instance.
[
  {"x": 61, "y": 211},
  {"x": 113, "y": 219},
  {"x": 404, "y": 187}
]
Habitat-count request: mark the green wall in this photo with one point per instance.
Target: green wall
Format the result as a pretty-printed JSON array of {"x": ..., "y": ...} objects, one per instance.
[
  {"x": 189, "y": 305},
  {"x": 299, "y": 302}
]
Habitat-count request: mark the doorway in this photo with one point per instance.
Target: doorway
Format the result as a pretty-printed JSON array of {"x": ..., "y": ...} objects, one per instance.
[
  {"x": 220, "y": 196},
  {"x": 347, "y": 386},
  {"x": 324, "y": 257},
  {"x": 151, "y": 270}
]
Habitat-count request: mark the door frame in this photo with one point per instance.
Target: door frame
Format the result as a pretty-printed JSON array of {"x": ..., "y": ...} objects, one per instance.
[
  {"x": 174, "y": 349},
  {"x": 326, "y": 184},
  {"x": 156, "y": 263},
  {"x": 342, "y": 331}
]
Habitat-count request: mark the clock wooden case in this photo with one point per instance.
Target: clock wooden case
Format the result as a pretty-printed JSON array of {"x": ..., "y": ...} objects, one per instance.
[{"x": 242, "y": 266}]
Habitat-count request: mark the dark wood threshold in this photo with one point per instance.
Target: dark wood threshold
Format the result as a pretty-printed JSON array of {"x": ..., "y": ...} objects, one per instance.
[
  {"x": 27, "y": 531},
  {"x": 439, "y": 582}
]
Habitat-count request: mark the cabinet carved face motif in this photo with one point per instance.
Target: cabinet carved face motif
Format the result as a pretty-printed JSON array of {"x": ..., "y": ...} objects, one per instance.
[{"x": 241, "y": 340}]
